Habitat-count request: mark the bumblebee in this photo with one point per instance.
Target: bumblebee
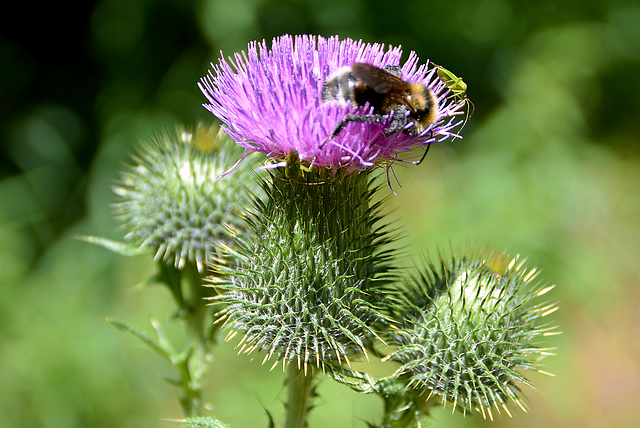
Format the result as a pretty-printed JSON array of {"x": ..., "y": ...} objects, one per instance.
[{"x": 404, "y": 106}]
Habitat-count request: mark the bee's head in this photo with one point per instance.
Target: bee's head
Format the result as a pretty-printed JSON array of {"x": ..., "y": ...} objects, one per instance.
[{"x": 423, "y": 105}]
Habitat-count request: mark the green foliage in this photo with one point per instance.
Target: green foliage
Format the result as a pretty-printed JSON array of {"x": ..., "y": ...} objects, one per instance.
[{"x": 191, "y": 362}]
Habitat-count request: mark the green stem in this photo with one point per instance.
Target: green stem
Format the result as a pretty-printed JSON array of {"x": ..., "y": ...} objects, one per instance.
[
  {"x": 194, "y": 367},
  {"x": 404, "y": 412},
  {"x": 196, "y": 311},
  {"x": 300, "y": 392}
]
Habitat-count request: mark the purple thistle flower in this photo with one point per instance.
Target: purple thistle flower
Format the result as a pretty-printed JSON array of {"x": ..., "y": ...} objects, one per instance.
[{"x": 270, "y": 101}]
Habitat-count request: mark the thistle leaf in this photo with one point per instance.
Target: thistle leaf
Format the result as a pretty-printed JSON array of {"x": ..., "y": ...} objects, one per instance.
[
  {"x": 157, "y": 347},
  {"x": 118, "y": 247}
]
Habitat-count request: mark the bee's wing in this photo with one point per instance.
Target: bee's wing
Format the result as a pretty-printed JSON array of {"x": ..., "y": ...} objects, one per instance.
[
  {"x": 382, "y": 82},
  {"x": 377, "y": 79}
]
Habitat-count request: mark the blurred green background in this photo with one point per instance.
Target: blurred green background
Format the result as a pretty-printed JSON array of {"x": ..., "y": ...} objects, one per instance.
[{"x": 549, "y": 168}]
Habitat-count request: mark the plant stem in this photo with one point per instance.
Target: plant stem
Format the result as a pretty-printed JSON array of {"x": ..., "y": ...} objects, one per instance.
[
  {"x": 404, "y": 410},
  {"x": 300, "y": 392},
  {"x": 195, "y": 364}
]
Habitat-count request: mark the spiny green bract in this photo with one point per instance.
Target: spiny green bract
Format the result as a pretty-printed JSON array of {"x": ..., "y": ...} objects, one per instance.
[
  {"x": 305, "y": 285},
  {"x": 171, "y": 202},
  {"x": 469, "y": 328}
]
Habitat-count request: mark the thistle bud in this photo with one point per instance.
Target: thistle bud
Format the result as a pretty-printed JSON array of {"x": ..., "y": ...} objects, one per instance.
[
  {"x": 171, "y": 201},
  {"x": 306, "y": 284},
  {"x": 470, "y": 329}
]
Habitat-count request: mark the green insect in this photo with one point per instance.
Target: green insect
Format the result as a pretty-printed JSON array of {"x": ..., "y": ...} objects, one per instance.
[
  {"x": 293, "y": 167},
  {"x": 455, "y": 84},
  {"x": 458, "y": 89},
  {"x": 294, "y": 170}
]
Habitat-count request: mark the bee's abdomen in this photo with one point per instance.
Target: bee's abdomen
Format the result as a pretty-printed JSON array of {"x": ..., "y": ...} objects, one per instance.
[{"x": 339, "y": 86}]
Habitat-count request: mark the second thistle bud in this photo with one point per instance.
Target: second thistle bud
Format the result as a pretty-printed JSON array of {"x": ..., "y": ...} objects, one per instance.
[{"x": 470, "y": 329}]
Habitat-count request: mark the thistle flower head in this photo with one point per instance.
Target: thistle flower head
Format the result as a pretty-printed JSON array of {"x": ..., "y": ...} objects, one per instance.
[
  {"x": 470, "y": 329},
  {"x": 171, "y": 202},
  {"x": 270, "y": 101}
]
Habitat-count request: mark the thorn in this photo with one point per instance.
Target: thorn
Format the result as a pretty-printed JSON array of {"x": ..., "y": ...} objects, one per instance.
[
  {"x": 545, "y": 290},
  {"x": 306, "y": 358},
  {"x": 430, "y": 395},
  {"x": 530, "y": 274},
  {"x": 366, "y": 355},
  {"x": 403, "y": 408},
  {"x": 482, "y": 411},
  {"x": 520, "y": 405},
  {"x": 347, "y": 360},
  {"x": 506, "y": 409}
]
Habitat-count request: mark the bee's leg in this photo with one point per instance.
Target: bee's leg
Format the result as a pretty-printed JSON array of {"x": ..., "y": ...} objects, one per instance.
[
  {"x": 398, "y": 121},
  {"x": 361, "y": 118},
  {"x": 424, "y": 155}
]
